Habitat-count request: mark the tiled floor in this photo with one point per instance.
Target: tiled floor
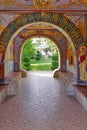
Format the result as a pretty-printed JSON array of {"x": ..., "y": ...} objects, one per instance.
[{"x": 41, "y": 104}]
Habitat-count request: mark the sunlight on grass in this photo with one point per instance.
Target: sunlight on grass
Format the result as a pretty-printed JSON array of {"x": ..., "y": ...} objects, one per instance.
[
  {"x": 41, "y": 67},
  {"x": 42, "y": 60}
]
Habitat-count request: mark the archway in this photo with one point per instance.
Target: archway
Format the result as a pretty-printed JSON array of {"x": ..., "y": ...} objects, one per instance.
[
  {"x": 23, "y": 35},
  {"x": 53, "y": 18},
  {"x": 57, "y": 20},
  {"x": 45, "y": 59}
]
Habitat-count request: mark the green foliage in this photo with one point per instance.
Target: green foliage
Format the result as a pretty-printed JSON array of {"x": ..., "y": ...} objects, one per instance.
[
  {"x": 26, "y": 66},
  {"x": 26, "y": 59},
  {"x": 33, "y": 60},
  {"x": 38, "y": 55},
  {"x": 41, "y": 67},
  {"x": 28, "y": 52},
  {"x": 51, "y": 45},
  {"x": 28, "y": 49},
  {"x": 42, "y": 64},
  {"x": 55, "y": 61},
  {"x": 42, "y": 60},
  {"x": 26, "y": 63}
]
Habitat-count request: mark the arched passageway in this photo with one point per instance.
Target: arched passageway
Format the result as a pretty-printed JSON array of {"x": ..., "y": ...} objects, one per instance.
[
  {"x": 38, "y": 53},
  {"x": 60, "y": 22},
  {"x": 23, "y": 35}
]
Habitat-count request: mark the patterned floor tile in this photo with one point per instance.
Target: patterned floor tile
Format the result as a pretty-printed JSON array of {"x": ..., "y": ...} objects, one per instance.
[{"x": 41, "y": 104}]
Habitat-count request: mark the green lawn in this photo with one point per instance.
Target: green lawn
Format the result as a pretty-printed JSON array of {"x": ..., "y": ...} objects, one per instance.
[
  {"x": 42, "y": 64},
  {"x": 41, "y": 67},
  {"x": 42, "y": 60}
]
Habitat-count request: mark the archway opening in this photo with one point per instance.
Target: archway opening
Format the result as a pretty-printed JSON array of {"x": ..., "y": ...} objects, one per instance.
[
  {"x": 58, "y": 21},
  {"x": 40, "y": 54},
  {"x": 31, "y": 30}
]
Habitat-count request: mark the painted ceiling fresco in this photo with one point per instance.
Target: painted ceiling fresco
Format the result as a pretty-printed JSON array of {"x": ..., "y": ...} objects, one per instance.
[
  {"x": 28, "y": 5},
  {"x": 80, "y": 5},
  {"x": 5, "y": 19}
]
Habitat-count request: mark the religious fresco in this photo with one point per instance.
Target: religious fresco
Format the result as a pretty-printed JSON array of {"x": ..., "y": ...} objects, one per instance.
[
  {"x": 80, "y": 23},
  {"x": 71, "y": 59},
  {"x": 57, "y": 4},
  {"x": 82, "y": 68},
  {"x": 5, "y": 19},
  {"x": 53, "y": 18},
  {"x": 62, "y": 43},
  {"x": 1, "y": 28},
  {"x": 9, "y": 59}
]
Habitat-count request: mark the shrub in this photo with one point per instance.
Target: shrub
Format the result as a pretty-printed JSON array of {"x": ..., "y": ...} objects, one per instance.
[
  {"x": 26, "y": 63},
  {"x": 55, "y": 61},
  {"x": 38, "y": 55}
]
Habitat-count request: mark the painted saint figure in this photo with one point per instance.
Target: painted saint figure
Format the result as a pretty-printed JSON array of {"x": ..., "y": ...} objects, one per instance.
[{"x": 83, "y": 63}]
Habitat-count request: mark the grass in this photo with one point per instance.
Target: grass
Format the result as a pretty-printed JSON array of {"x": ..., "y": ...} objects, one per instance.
[
  {"x": 42, "y": 64},
  {"x": 41, "y": 67},
  {"x": 42, "y": 60}
]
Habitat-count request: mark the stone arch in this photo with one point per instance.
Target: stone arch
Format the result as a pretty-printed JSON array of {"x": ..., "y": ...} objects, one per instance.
[
  {"x": 56, "y": 19},
  {"x": 53, "y": 18},
  {"x": 47, "y": 36}
]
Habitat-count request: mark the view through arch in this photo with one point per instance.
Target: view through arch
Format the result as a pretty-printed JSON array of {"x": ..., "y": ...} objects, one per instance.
[
  {"x": 40, "y": 53},
  {"x": 60, "y": 22}
]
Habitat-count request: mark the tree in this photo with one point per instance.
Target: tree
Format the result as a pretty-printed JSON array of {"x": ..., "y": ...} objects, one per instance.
[
  {"x": 28, "y": 52},
  {"x": 55, "y": 61},
  {"x": 38, "y": 55},
  {"x": 51, "y": 46},
  {"x": 26, "y": 63},
  {"x": 28, "y": 49}
]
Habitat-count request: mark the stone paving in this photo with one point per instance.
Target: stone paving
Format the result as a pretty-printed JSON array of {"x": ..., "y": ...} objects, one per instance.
[{"x": 41, "y": 104}]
